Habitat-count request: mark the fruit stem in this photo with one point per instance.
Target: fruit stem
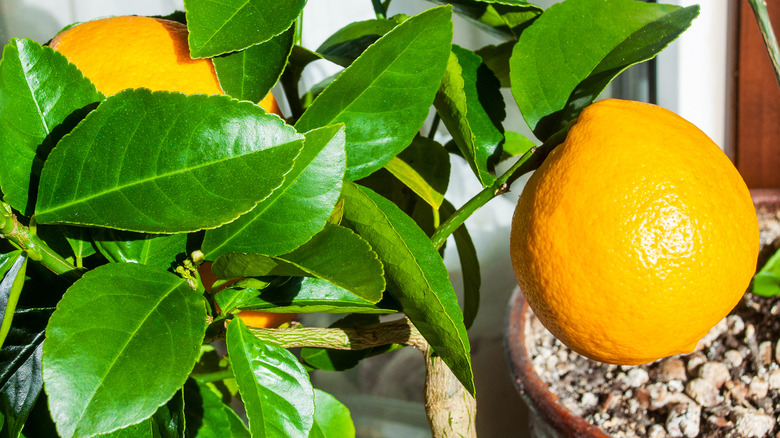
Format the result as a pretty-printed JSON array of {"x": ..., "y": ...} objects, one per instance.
[
  {"x": 765, "y": 25},
  {"x": 21, "y": 237},
  {"x": 527, "y": 162}
]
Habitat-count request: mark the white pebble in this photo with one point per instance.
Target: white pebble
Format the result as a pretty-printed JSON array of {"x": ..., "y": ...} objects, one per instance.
[
  {"x": 774, "y": 379},
  {"x": 736, "y": 324},
  {"x": 703, "y": 392},
  {"x": 656, "y": 431},
  {"x": 695, "y": 360},
  {"x": 684, "y": 420},
  {"x": 758, "y": 388},
  {"x": 765, "y": 353},
  {"x": 777, "y": 352},
  {"x": 637, "y": 377},
  {"x": 733, "y": 358},
  {"x": 715, "y": 373},
  {"x": 752, "y": 423},
  {"x": 589, "y": 400},
  {"x": 675, "y": 386}
]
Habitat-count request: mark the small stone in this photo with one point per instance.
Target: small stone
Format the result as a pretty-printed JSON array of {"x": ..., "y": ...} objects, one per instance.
[
  {"x": 589, "y": 400},
  {"x": 659, "y": 395},
  {"x": 670, "y": 369},
  {"x": 736, "y": 324},
  {"x": 642, "y": 397},
  {"x": 750, "y": 333},
  {"x": 758, "y": 388},
  {"x": 683, "y": 420},
  {"x": 774, "y": 379},
  {"x": 765, "y": 353},
  {"x": 637, "y": 377},
  {"x": 611, "y": 402},
  {"x": 750, "y": 423},
  {"x": 656, "y": 431},
  {"x": 732, "y": 358},
  {"x": 715, "y": 373},
  {"x": 717, "y": 421},
  {"x": 720, "y": 328},
  {"x": 675, "y": 386},
  {"x": 695, "y": 360},
  {"x": 737, "y": 391},
  {"x": 703, "y": 392},
  {"x": 777, "y": 352}
]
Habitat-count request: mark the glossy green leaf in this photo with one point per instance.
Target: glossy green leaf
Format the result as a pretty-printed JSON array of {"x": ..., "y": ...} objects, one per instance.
[
  {"x": 164, "y": 162},
  {"x": 140, "y": 341},
  {"x": 42, "y": 96},
  {"x": 516, "y": 144},
  {"x": 217, "y": 27},
  {"x": 274, "y": 386},
  {"x": 766, "y": 282},
  {"x": 80, "y": 241},
  {"x": 297, "y": 295},
  {"x": 10, "y": 289},
  {"x": 208, "y": 416},
  {"x": 331, "y": 418},
  {"x": 556, "y": 71},
  {"x": 384, "y": 96},
  {"x": 349, "y": 42},
  {"x": 166, "y": 422},
  {"x": 472, "y": 108},
  {"x": 251, "y": 73},
  {"x": 415, "y": 273},
  {"x": 503, "y": 18},
  {"x": 20, "y": 368},
  {"x": 158, "y": 250},
  {"x": 335, "y": 254},
  {"x": 297, "y": 210},
  {"x": 496, "y": 58},
  {"x": 469, "y": 267},
  {"x": 424, "y": 167}
]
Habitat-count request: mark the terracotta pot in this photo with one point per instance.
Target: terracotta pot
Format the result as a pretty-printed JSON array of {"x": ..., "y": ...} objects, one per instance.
[{"x": 547, "y": 418}]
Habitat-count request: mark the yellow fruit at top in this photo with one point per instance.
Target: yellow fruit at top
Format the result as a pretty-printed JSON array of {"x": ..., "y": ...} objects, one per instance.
[
  {"x": 635, "y": 236},
  {"x": 139, "y": 52}
]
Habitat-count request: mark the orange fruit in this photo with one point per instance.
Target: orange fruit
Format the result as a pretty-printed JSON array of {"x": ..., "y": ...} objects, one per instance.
[
  {"x": 252, "y": 318},
  {"x": 635, "y": 236},
  {"x": 140, "y": 52}
]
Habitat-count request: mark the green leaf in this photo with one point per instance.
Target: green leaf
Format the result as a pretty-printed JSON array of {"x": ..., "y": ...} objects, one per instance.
[
  {"x": 469, "y": 266},
  {"x": 208, "y": 416},
  {"x": 80, "y": 241},
  {"x": 516, "y": 143},
  {"x": 424, "y": 167},
  {"x": 383, "y": 98},
  {"x": 503, "y": 18},
  {"x": 217, "y": 27},
  {"x": 297, "y": 210},
  {"x": 275, "y": 387},
  {"x": 42, "y": 96},
  {"x": 496, "y": 58},
  {"x": 335, "y": 254},
  {"x": 164, "y": 162},
  {"x": 166, "y": 422},
  {"x": 122, "y": 341},
  {"x": 20, "y": 368},
  {"x": 251, "y": 73},
  {"x": 349, "y": 42},
  {"x": 415, "y": 273},
  {"x": 331, "y": 418},
  {"x": 10, "y": 289},
  {"x": 766, "y": 282},
  {"x": 297, "y": 295},
  {"x": 158, "y": 250},
  {"x": 471, "y": 107},
  {"x": 568, "y": 56}
]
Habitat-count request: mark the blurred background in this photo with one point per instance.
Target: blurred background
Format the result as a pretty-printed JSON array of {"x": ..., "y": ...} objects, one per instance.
[{"x": 711, "y": 76}]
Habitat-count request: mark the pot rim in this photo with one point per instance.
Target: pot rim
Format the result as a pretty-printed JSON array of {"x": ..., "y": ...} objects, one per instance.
[{"x": 540, "y": 400}]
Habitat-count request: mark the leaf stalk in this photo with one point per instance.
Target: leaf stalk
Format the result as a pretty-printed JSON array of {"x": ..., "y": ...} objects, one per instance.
[{"x": 765, "y": 25}]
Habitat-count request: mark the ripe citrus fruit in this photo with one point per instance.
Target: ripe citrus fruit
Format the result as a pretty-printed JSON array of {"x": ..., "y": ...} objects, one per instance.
[
  {"x": 133, "y": 52},
  {"x": 252, "y": 318},
  {"x": 635, "y": 236}
]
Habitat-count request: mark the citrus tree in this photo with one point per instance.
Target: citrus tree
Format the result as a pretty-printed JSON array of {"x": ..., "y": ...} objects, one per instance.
[{"x": 113, "y": 201}]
